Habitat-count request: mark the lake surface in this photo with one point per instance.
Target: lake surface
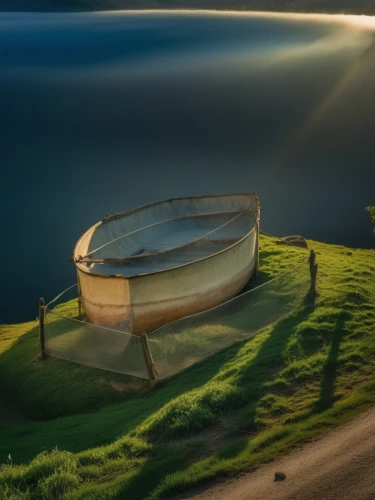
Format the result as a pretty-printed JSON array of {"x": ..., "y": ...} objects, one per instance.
[{"x": 103, "y": 112}]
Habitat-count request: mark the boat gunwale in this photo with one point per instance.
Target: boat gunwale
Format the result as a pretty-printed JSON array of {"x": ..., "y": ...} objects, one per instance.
[
  {"x": 119, "y": 215},
  {"x": 85, "y": 270}
]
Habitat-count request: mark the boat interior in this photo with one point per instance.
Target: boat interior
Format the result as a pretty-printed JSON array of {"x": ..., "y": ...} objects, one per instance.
[{"x": 160, "y": 237}]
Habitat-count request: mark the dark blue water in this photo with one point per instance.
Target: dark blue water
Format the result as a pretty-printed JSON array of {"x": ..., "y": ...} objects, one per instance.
[{"x": 104, "y": 112}]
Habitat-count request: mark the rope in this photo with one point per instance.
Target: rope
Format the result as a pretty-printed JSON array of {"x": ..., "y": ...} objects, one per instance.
[
  {"x": 267, "y": 234},
  {"x": 287, "y": 242},
  {"x": 60, "y": 294},
  {"x": 100, "y": 327},
  {"x": 284, "y": 242}
]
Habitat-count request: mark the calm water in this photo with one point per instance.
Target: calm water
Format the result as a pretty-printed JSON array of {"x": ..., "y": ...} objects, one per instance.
[{"x": 104, "y": 112}]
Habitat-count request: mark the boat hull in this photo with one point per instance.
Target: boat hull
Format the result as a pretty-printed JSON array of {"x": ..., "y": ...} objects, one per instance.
[
  {"x": 144, "y": 303},
  {"x": 140, "y": 269}
]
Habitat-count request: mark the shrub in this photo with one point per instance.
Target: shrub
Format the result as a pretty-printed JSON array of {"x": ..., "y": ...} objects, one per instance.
[
  {"x": 48, "y": 463},
  {"x": 11, "y": 493},
  {"x": 128, "y": 447},
  {"x": 194, "y": 411},
  {"x": 24, "y": 482},
  {"x": 56, "y": 485}
]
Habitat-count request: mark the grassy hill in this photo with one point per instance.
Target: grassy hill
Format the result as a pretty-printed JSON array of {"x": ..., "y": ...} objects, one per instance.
[
  {"x": 117, "y": 438},
  {"x": 329, "y": 6}
]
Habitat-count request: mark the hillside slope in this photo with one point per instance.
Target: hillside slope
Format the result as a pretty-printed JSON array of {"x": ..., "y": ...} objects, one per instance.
[{"x": 239, "y": 408}]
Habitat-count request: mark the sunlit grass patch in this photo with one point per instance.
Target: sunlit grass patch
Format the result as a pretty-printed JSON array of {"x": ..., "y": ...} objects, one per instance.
[{"x": 241, "y": 407}]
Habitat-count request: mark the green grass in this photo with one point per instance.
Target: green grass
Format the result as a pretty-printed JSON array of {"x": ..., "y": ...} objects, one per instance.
[
  {"x": 241, "y": 407},
  {"x": 54, "y": 388}
]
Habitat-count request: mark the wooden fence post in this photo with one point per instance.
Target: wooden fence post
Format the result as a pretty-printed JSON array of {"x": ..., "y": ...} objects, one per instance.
[
  {"x": 148, "y": 358},
  {"x": 313, "y": 271},
  {"x": 42, "y": 310}
]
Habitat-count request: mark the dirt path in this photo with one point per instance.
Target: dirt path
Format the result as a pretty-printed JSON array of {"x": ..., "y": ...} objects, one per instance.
[{"x": 338, "y": 466}]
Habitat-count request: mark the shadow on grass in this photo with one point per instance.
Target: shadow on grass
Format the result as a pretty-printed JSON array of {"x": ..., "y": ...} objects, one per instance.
[
  {"x": 166, "y": 460},
  {"x": 269, "y": 360},
  {"x": 327, "y": 389},
  {"x": 261, "y": 278},
  {"x": 169, "y": 460},
  {"x": 252, "y": 378},
  {"x": 53, "y": 388},
  {"x": 67, "y": 387},
  {"x": 56, "y": 386},
  {"x": 148, "y": 477}
]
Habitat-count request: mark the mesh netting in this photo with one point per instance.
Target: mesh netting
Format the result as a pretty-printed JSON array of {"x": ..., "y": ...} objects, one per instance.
[
  {"x": 179, "y": 344},
  {"x": 182, "y": 343},
  {"x": 94, "y": 346}
]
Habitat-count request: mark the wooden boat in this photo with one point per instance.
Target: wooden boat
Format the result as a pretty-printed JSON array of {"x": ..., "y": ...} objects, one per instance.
[{"x": 140, "y": 269}]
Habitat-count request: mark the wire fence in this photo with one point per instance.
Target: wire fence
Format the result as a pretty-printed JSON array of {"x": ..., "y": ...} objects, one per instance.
[
  {"x": 92, "y": 345},
  {"x": 180, "y": 344},
  {"x": 177, "y": 345}
]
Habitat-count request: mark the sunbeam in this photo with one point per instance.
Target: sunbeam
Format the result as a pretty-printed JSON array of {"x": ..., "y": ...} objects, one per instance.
[{"x": 352, "y": 76}]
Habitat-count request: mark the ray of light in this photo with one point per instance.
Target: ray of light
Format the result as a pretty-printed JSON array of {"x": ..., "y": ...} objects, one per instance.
[{"x": 303, "y": 132}]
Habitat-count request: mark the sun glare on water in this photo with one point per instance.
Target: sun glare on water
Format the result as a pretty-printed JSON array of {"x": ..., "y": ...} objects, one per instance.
[
  {"x": 358, "y": 20},
  {"x": 365, "y": 21}
]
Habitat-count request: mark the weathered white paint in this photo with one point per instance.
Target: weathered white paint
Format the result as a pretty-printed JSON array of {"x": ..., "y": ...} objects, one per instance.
[{"x": 174, "y": 278}]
